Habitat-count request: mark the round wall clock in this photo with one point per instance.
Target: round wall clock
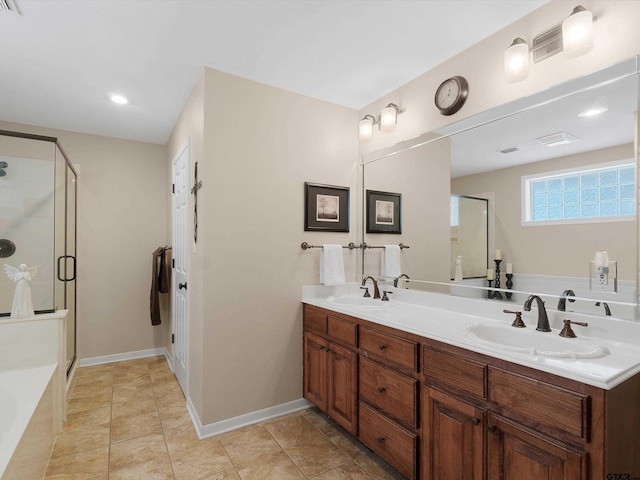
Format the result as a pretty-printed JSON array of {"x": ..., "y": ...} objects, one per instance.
[{"x": 451, "y": 95}]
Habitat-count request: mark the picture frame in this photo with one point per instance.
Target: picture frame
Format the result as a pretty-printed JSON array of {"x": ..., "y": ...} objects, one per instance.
[
  {"x": 384, "y": 212},
  {"x": 326, "y": 208}
]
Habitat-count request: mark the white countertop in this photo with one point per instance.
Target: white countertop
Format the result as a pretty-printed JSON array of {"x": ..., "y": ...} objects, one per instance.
[{"x": 453, "y": 320}]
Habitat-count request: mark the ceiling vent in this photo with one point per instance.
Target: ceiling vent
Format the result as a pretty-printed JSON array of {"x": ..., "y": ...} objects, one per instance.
[
  {"x": 555, "y": 139},
  {"x": 509, "y": 150}
]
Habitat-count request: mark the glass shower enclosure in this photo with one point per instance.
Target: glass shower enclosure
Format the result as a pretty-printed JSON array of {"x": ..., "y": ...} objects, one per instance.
[{"x": 38, "y": 202}]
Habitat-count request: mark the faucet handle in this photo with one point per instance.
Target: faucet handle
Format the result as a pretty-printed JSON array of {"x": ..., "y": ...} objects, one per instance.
[
  {"x": 384, "y": 296},
  {"x": 366, "y": 292},
  {"x": 567, "y": 331},
  {"x": 517, "y": 322}
]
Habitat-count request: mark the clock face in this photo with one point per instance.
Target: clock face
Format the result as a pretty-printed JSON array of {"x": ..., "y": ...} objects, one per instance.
[
  {"x": 451, "y": 95},
  {"x": 448, "y": 93}
]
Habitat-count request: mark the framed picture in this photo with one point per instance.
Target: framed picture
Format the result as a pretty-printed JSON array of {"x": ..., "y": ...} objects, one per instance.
[
  {"x": 384, "y": 212},
  {"x": 326, "y": 208}
]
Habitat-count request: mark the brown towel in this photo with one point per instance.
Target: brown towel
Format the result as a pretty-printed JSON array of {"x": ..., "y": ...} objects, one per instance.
[{"x": 159, "y": 283}]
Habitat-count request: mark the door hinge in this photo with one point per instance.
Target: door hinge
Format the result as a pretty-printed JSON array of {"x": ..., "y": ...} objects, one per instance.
[
  {"x": 173, "y": 338},
  {"x": 173, "y": 263},
  {"x": 173, "y": 188}
]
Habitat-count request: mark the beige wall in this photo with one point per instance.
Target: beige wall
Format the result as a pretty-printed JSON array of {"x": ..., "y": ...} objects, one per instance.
[
  {"x": 121, "y": 220},
  {"x": 259, "y": 145},
  {"x": 616, "y": 35},
  {"x": 421, "y": 175},
  {"x": 562, "y": 250}
]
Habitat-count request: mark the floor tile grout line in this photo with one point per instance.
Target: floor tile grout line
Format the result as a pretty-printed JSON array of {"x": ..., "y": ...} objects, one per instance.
[{"x": 284, "y": 450}]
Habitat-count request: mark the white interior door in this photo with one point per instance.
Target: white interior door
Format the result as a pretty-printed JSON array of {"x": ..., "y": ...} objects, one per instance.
[{"x": 180, "y": 270}]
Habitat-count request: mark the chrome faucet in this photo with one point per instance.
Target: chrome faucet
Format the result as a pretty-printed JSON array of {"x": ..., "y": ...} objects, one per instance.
[
  {"x": 376, "y": 291},
  {"x": 395, "y": 280},
  {"x": 607, "y": 310},
  {"x": 543, "y": 320},
  {"x": 562, "y": 303}
]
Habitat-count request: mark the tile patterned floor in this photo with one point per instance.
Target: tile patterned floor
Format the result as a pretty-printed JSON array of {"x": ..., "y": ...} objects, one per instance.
[{"x": 128, "y": 420}]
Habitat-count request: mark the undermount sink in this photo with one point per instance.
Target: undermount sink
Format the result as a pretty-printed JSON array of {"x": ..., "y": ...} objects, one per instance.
[
  {"x": 529, "y": 341},
  {"x": 360, "y": 302}
]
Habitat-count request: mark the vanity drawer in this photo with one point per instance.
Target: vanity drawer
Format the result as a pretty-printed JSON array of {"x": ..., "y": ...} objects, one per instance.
[
  {"x": 315, "y": 320},
  {"x": 392, "y": 392},
  {"x": 394, "y": 349},
  {"x": 393, "y": 443},
  {"x": 452, "y": 370},
  {"x": 550, "y": 406},
  {"x": 342, "y": 330}
]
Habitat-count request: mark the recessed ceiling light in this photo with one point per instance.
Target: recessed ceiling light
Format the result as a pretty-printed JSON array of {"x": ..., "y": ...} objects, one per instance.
[
  {"x": 596, "y": 108},
  {"x": 119, "y": 99}
]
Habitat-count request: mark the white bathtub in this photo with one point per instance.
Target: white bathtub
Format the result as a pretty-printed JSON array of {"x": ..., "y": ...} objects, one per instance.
[
  {"x": 32, "y": 392},
  {"x": 27, "y": 424}
]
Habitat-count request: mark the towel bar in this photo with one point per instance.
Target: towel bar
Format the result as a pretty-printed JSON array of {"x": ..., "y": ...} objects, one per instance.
[
  {"x": 401, "y": 245},
  {"x": 305, "y": 246}
]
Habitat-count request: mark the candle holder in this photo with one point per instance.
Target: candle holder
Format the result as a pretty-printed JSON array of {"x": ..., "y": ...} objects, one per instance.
[
  {"x": 497, "y": 295},
  {"x": 490, "y": 292},
  {"x": 509, "y": 285}
]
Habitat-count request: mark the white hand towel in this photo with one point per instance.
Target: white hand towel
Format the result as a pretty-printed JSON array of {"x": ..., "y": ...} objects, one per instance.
[
  {"x": 391, "y": 261},
  {"x": 331, "y": 265}
]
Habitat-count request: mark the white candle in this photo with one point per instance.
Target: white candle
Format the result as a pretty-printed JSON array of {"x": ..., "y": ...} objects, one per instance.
[
  {"x": 498, "y": 254},
  {"x": 490, "y": 274},
  {"x": 509, "y": 268}
]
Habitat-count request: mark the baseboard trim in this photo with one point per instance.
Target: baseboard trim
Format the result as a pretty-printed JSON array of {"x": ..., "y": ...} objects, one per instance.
[
  {"x": 121, "y": 357},
  {"x": 223, "y": 426}
]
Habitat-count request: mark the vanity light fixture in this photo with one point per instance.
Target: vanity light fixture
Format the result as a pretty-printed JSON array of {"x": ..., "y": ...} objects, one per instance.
[
  {"x": 386, "y": 121},
  {"x": 389, "y": 117},
  {"x": 577, "y": 32},
  {"x": 365, "y": 127},
  {"x": 574, "y": 37},
  {"x": 516, "y": 61}
]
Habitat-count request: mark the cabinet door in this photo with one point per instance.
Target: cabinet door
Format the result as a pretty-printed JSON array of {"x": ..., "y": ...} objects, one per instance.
[
  {"x": 453, "y": 438},
  {"x": 514, "y": 452},
  {"x": 315, "y": 370},
  {"x": 342, "y": 398}
]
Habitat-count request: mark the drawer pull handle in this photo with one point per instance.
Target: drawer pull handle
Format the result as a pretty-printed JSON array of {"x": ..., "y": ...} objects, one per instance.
[
  {"x": 382, "y": 389},
  {"x": 492, "y": 428},
  {"x": 475, "y": 421},
  {"x": 382, "y": 346},
  {"x": 380, "y": 439}
]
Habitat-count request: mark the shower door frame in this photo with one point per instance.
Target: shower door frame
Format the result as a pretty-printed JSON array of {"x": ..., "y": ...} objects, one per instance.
[{"x": 68, "y": 166}]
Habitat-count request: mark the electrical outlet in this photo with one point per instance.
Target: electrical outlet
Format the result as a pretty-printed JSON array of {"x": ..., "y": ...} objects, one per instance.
[{"x": 603, "y": 279}]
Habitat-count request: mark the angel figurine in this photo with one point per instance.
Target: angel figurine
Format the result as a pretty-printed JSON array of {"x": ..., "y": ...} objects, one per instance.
[{"x": 22, "y": 303}]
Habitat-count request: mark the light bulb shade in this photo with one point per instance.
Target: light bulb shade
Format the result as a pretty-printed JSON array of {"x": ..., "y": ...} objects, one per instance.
[
  {"x": 577, "y": 33},
  {"x": 516, "y": 61},
  {"x": 365, "y": 127},
  {"x": 389, "y": 118}
]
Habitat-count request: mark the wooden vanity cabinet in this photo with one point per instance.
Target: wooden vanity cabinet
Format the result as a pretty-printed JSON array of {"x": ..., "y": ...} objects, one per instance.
[
  {"x": 330, "y": 369},
  {"x": 483, "y": 418},
  {"x": 439, "y": 412},
  {"x": 453, "y": 446},
  {"x": 514, "y": 451},
  {"x": 388, "y": 392}
]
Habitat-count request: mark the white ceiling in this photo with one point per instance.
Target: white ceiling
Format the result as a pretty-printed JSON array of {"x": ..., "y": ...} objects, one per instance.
[{"x": 60, "y": 59}]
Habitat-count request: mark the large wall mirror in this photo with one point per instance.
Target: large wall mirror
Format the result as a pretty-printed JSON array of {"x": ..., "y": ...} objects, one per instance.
[{"x": 557, "y": 172}]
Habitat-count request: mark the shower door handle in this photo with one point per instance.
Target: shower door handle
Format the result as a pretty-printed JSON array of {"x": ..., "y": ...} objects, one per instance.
[{"x": 73, "y": 277}]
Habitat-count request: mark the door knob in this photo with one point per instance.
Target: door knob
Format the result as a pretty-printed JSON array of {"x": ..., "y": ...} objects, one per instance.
[{"x": 182, "y": 285}]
